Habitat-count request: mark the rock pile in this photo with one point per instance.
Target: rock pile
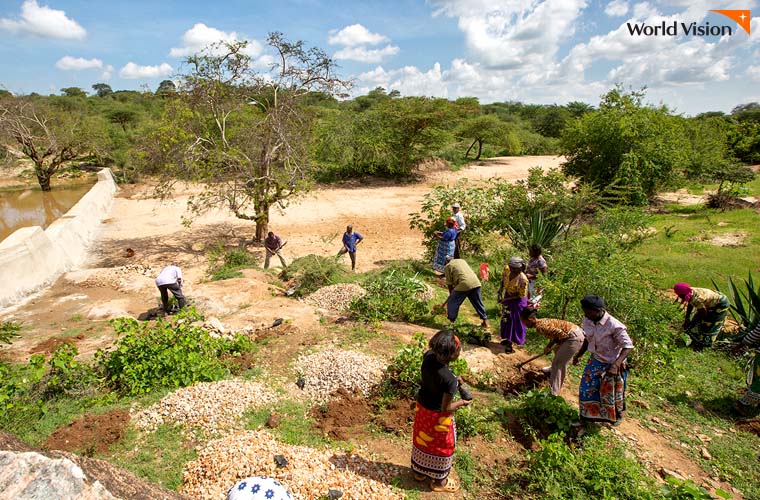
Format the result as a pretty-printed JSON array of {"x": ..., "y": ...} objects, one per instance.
[
  {"x": 325, "y": 372},
  {"x": 336, "y": 297},
  {"x": 211, "y": 406},
  {"x": 307, "y": 473}
]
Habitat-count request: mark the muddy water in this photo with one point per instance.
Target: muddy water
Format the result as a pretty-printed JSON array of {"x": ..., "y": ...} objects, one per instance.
[{"x": 32, "y": 207}]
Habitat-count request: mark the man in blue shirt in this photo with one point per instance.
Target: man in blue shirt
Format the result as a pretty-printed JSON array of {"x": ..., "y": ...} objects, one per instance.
[{"x": 351, "y": 240}]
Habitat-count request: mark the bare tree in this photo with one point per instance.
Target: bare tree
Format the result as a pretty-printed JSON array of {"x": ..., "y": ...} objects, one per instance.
[
  {"x": 47, "y": 135},
  {"x": 244, "y": 133}
]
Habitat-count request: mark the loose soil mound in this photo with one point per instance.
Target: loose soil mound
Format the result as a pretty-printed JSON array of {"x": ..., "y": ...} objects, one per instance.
[
  {"x": 398, "y": 417},
  {"x": 90, "y": 433},
  {"x": 521, "y": 381},
  {"x": 749, "y": 425},
  {"x": 51, "y": 344},
  {"x": 342, "y": 414}
]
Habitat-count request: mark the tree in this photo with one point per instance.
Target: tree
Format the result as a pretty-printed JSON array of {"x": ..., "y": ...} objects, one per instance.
[
  {"x": 122, "y": 117},
  {"x": 487, "y": 129},
  {"x": 578, "y": 108},
  {"x": 46, "y": 134},
  {"x": 626, "y": 149},
  {"x": 73, "y": 92},
  {"x": 102, "y": 89},
  {"x": 243, "y": 134},
  {"x": 166, "y": 88}
]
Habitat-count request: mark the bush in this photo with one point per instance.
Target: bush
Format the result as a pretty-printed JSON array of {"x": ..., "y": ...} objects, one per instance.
[
  {"x": 174, "y": 353},
  {"x": 392, "y": 296},
  {"x": 597, "y": 263},
  {"x": 312, "y": 272},
  {"x": 225, "y": 264},
  {"x": 600, "y": 469},
  {"x": 543, "y": 414},
  {"x": 8, "y": 331},
  {"x": 403, "y": 375}
]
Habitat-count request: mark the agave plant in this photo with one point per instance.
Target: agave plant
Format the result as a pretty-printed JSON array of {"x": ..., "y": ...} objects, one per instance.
[
  {"x": 745, "y": 303},
  {"x": 537, "y": 228}
]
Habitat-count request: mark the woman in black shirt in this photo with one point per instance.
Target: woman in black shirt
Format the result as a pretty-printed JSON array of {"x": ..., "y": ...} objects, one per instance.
[{"x": 434, "y": 428}]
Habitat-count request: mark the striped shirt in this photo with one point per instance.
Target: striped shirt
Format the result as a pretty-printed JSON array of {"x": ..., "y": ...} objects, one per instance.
[
  {"x": 558, "y": 329},
  {"x": 752, "y": 339}
]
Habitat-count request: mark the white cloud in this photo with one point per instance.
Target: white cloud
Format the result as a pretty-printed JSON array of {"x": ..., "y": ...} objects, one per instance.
[
  {"x": 107, "y": 73},
  {"x": 616, "y": 8},
  {"x": 134, "y": 71},
  {"x": 363, "y": 54},
  {"x": 753, "y": 73},
  {"x": 355, "y": 34},
  {"x": 408, "y": 80},
  {"x": 201, "y": 36},
  {"x": 44, "y": 22},
  {"x": 78, "y": 63}
]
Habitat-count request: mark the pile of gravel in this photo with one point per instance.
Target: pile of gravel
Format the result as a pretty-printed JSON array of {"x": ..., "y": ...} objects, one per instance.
[
  {"x": 325, "y": 372},
  {"x": 308, "y": 474},
  {"x": 212, "y": 406},
  {"x": 336, "y": 297}
]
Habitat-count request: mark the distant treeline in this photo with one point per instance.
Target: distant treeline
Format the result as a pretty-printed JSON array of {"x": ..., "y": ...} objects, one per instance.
[{"x": 620, "y": 142}]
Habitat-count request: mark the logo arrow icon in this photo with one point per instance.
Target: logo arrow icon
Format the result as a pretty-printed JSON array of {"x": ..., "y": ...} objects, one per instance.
[{"x": 742, "y": 17}]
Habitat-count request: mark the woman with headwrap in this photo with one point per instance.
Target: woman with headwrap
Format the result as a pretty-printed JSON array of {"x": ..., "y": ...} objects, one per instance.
[
  {"x": 513, "y": 296},
  {"x": 601, "y": 395},
  {"x": 434, "y": 437},
  {"x": 446, "y": 244},
  {"x": 709, "y": 309}
]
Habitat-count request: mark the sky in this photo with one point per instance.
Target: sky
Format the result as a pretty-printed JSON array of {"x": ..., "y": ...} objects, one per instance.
[{"x": 534, "y": 51}]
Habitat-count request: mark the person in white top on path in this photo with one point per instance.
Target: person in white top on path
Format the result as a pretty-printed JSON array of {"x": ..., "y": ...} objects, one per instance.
[{"x": 170, "y": 279}]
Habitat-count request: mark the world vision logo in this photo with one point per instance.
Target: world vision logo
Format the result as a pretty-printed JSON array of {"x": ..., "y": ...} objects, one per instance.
[{"x": 742, "y": 17}]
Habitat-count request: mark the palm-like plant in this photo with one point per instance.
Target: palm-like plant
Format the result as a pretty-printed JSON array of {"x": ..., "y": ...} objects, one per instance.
[
  {"x": 745, "y": 302},
  {"x": 537, "y": 228}
]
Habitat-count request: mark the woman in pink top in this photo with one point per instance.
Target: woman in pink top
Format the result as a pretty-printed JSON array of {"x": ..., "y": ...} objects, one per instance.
[{"x": 602, "y": 392}]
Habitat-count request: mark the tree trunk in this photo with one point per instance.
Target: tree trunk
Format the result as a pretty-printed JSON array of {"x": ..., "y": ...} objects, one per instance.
[
  {"x": 480, "y": 149},
  {"x": 262, "y": 223},
  {"x": 44, "y": 179},
  {"x": 470, "y": 148}
]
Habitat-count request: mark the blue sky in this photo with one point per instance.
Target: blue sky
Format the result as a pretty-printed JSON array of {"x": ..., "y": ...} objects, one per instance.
[{"x": 538, "y": 51}]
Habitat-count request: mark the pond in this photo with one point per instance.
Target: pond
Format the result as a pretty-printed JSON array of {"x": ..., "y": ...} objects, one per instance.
[{"x": 32, "y": 207}]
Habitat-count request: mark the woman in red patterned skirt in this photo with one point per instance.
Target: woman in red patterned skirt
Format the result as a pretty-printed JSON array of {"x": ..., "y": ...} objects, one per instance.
[{"x": 434, "y": 437}]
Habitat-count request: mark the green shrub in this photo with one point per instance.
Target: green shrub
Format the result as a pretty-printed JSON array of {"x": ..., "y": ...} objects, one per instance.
[
  {"x": 225, "y": 264},
  {"x": 392, "y": 296},
  {"x": 745, "y": 302},
  {"x": 542, "y": 413},
  {"x": 472, "y": 334},
  {"x": 173, "y": 353},
  {"x": 8, "y": 331},
  {"x": 67, "y": 375},
  {"x": 601, "y": 469},
  {"x": 686, "y": 489},
  {"x": 403, "y": 375},
  {"x": 312, "y": 272},
  {"x": 476, "y": 420}
]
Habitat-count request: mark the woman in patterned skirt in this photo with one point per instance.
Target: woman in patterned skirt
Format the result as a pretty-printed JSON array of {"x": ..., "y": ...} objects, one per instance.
[
  {"x": 446, "y": 244},
  {"x": 434, "y": 436}
]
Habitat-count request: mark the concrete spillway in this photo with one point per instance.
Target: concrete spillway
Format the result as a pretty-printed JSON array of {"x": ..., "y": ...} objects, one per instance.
[{"x": 31, "y": 257}]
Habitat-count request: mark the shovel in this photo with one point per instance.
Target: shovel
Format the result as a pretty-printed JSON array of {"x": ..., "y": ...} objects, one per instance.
[{"x": 519, "y": 366}]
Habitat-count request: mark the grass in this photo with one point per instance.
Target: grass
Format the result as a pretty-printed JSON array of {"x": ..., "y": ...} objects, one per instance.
[
  {"x": 749, "y": 189},
  {"x": 158, "y": 457},
  {"x": 713, "y": 380},
  {"x": 296, "y": 426},
  {"x": 687, "y": 253}
]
